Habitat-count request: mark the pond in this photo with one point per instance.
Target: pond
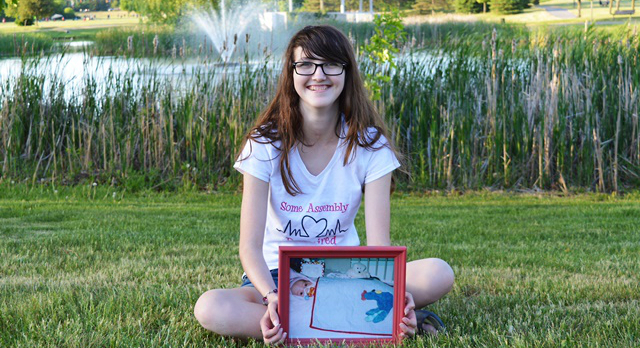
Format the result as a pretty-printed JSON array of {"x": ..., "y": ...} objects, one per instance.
[{"x": 75, "y": 70}]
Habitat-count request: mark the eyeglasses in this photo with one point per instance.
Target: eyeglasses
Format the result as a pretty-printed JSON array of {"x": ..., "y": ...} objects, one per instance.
[{"x": 308, "y": 68}]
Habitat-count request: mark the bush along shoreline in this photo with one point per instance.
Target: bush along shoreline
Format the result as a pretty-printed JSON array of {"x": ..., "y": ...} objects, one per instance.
[{"x": 471, "y": 106}]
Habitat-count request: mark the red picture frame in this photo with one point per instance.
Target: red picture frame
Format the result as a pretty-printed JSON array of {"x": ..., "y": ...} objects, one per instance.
[{"x": 334, "y": 255}]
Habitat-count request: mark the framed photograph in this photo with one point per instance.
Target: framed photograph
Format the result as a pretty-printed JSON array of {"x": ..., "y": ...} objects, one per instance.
[{"x": 341, "y": 295}]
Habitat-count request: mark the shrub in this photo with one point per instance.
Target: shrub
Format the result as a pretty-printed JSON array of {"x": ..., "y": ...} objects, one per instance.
[{"x": 69, "y": 13}]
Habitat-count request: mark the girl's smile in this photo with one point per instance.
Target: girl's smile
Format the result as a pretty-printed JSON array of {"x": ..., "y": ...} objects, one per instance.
[{"x": 318, "y": 88}]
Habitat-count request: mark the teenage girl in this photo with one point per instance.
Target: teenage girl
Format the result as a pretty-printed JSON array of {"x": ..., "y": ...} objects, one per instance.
[{"x": 313, "y": 153}]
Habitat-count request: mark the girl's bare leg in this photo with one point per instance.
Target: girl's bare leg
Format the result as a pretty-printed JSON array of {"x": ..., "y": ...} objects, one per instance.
[
  {"x": 231, "y": 312},
  {"x": 428, "y": 280},
  {"x": 237, "y": 312}
]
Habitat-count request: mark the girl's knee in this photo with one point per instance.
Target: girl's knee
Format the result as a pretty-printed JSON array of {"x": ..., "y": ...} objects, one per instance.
[
  {"x": 209, "y": 308},
  {"x": 427, "y": 270},
  {"x": 429, "y": 280},
  {"x": 444, "y": 271}
]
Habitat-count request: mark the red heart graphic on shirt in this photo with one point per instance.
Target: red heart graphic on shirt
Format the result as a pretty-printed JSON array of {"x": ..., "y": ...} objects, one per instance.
[{"x": 312, "y": 226}]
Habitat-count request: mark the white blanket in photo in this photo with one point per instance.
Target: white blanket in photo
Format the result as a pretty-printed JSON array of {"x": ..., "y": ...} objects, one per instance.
[{"x": 356, "y": 306}]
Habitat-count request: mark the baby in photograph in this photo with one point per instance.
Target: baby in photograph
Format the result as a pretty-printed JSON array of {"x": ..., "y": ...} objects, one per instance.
[{"x": 301, "y": 285}]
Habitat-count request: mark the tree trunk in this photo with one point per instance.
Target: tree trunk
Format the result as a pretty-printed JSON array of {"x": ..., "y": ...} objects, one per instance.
[
  {"x": 579, "y": 8},
  {"x": 611, "y": 6}
]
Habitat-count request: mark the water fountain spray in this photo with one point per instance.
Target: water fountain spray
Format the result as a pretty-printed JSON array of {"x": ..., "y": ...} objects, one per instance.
[{"x": 225, "y": 25}]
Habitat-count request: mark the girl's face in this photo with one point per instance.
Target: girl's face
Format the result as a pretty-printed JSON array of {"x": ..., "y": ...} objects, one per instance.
[{"x": 317, "y": 91}]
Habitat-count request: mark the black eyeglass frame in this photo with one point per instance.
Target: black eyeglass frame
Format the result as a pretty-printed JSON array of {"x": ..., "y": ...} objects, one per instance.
[{"x": 321, "y": 65}]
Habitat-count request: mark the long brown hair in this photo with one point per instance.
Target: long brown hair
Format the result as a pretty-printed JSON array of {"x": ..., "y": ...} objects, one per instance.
[{"x": 282, "y": 120}]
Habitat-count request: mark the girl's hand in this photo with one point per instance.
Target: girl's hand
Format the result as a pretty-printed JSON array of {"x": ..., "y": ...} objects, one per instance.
[
  {"x": 409, "y": 324},
  {"x": 272, "y": 332}
]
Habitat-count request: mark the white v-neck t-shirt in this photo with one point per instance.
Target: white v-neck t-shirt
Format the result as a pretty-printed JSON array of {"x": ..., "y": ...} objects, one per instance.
[{"x": 323, "y": 214}]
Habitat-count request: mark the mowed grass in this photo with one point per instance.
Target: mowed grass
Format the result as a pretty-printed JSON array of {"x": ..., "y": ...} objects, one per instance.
[
  {"x": 87, "y": 267},
  {"x": 103, "y": 19},
  {"x": 538, "y": 15}
]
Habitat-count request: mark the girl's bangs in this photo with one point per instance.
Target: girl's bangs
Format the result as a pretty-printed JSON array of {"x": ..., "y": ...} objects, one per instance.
[{"x": 313, "y": 49}]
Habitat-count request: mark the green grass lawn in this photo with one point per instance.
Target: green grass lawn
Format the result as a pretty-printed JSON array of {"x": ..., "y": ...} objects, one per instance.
[
  {"x": 57, "y": 28},
  {"x": 93, "y": 267},
  {"x": 539, "y": 16}
]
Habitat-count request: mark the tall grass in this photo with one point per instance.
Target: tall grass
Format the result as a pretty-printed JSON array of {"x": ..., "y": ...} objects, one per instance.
[
  {"x": 24, "y": 44},
  {"x": 555, "y": 109},
  {"x": 470, "y": 107},
  {"x": 145, "y": 41},
  {"x": 128, "y": 124}
]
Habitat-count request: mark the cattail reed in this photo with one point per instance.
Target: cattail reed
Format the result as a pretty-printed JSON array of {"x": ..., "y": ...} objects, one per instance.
[
  {"x": 156, "y": 41},
  {"x": 130, "y": 44}
]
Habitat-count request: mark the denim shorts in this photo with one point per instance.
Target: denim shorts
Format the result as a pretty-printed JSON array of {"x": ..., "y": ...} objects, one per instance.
[{"x": 247, "y": 282}]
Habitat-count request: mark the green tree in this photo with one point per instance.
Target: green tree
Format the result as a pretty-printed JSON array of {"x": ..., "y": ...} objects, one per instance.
[
  {"x": 166, "y": 11},
  {"x": 27, "y": 10},
  {"x": 467, "y": 6},
  {"x": 314, "y": 6},
  {"x": 283, "y": 5},
  {"x": 431, "y": 6},
  {"x": 382, "y": 48},
  {"x": 508, "y": 6},
  {"x": 92, "y": 5},
  {"x": 130, "y": 5},
  {"x": 354, "y": 5},
  {"x": 59, "y": 5},
  {"x": 484, "y": 5},
  {"x": 6, "y": 3}
]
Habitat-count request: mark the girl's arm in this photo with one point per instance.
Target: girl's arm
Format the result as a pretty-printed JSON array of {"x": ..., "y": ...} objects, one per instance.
[
  {"x": 253, "y": 217},
  {"x": 377, "y": 211}
]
